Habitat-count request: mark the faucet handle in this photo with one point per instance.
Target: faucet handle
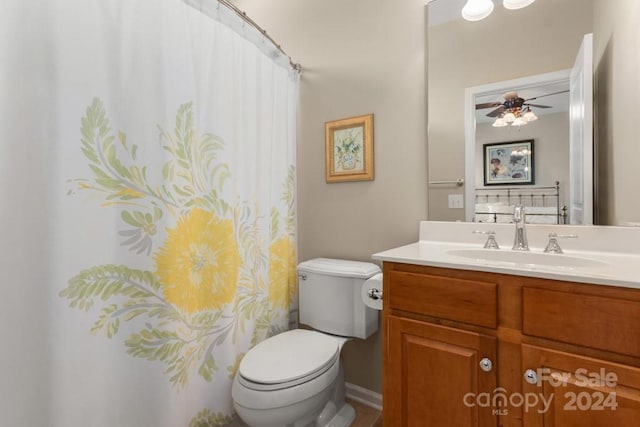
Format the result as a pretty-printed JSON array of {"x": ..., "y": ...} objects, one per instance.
[
  {"x": 553, "y": 247},
  {"x": 491, "y": 239}
]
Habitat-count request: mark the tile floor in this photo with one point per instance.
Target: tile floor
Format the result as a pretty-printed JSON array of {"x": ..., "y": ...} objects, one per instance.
[{"x": 366, "y": 416}]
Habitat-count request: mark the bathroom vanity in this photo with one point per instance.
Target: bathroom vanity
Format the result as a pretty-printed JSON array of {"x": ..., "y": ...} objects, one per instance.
[{"x": 486, "y": 337}]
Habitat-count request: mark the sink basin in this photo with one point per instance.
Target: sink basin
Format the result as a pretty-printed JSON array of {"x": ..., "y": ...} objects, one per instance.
[{"x": 525, "y": 258}]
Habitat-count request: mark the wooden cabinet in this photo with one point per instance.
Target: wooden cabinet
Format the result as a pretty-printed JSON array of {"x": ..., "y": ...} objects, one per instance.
[
  {"x": 442, "y": 363},
  {"x": 561, "y": 353},
  {"x": 574, "y": 390}
]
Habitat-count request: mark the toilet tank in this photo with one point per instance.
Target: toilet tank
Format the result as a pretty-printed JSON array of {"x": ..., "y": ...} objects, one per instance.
[{"x": 331, "y": 299}]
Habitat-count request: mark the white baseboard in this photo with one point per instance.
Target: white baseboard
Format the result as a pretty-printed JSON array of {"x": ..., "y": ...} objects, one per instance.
[{"x": 364, "y": 396}]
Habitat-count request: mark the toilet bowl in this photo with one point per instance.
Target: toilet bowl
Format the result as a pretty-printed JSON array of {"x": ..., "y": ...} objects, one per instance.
[{"x": 295, "y": 378}]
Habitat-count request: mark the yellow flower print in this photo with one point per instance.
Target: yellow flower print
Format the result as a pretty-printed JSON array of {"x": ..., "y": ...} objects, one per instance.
[
  {"x": 282, "y": 273},
  {"x": 199, "y": 262}
]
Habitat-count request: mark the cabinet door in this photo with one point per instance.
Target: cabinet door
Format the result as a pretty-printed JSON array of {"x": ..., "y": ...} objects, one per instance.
[
  {"x": 433, "y": 377},
  {"x": 565, "y": 389}
]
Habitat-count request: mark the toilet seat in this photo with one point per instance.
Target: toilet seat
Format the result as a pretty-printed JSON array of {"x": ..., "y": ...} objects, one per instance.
[{"x": 288, "y": 359}]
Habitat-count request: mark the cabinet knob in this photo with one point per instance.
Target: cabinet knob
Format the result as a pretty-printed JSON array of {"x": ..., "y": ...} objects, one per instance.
[
  {"x": 486, "y": 364},
  {"x": 531, "y": 376}
]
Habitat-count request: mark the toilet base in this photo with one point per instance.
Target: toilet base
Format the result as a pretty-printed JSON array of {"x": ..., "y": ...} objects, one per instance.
[
  {"x": 343, "y": 418},
  {"x": 336, "y": 413}
]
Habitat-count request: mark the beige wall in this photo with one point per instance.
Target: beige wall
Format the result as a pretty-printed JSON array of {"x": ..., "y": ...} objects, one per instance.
[
  {"x": 617, "y": 91},
  {"x": 357, "y": 57},
  {"x": 541, "y": 38}
]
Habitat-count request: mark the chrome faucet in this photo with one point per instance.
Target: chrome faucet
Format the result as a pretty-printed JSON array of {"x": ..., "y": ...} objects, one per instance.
[{"x": 520, "y": 239}]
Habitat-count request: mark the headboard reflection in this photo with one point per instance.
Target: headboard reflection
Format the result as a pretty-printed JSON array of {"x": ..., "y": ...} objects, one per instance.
[{"x": 542, "y": 204}]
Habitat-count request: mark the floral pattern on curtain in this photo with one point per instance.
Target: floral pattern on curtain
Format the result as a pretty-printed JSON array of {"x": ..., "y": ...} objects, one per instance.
[{"x": 213, "y": 272}]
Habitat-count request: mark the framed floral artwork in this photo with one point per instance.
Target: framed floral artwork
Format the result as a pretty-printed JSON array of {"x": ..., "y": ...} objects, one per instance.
[
  {"x": 509, "y": 163},
  {"x": 349, "y": 149}
]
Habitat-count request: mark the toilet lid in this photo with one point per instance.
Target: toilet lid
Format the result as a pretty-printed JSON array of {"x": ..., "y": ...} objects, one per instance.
[{"x": 289, "y": 356}]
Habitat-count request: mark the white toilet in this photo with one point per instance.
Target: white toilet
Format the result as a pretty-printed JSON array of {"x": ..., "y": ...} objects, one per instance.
[{"x": 295, "y": 378}]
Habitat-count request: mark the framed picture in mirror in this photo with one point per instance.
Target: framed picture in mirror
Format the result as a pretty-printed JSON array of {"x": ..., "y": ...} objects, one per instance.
[
  {"x": 509, "y": 163},
  {"x": 349, "y": 149}
]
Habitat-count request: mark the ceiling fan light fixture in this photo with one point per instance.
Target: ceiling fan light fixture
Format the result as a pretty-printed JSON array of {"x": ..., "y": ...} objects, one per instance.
[
  {"x": 476, "y": 10},
  {"x": 500, "y": 122},
  {"x": 509, "y": 117},
  {"x": 529, "y": 116},
  {"x": 516, "y": 4},
  {"x": 518, "y": 122}
]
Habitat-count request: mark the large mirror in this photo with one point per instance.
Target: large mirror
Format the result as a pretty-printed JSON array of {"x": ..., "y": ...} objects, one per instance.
[
  {"x": 514, "y": 158},
  {"x": 478, "y": 63}
]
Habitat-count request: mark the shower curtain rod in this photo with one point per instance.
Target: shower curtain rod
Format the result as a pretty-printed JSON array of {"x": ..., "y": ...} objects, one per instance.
[{"x": 253, "y": 23}]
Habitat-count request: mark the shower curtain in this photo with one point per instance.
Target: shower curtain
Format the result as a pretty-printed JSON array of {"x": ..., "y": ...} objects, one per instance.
[{"x": 147, "y": 182}]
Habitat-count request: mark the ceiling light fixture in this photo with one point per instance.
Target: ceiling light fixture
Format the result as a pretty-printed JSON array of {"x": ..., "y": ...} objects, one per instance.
[
  {"x": 528, "y": 116},
  {"x": 518, "y": 122},
  {"x": 500, "y": 122},
  {"x": 509, "y": 117},
  {"x": 476, "y": 10},
  {"x": 515, "y": 116},
  {"x": 516, "y": 4}
]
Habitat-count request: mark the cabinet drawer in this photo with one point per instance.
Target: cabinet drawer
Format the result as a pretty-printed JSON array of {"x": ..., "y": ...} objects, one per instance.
[
  {"x": 600, "y": 322},
  {"x": 467, "y": 301}
]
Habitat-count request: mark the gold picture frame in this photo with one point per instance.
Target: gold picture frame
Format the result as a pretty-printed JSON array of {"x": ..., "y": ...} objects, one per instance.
[{"x": 349, "y": 149}]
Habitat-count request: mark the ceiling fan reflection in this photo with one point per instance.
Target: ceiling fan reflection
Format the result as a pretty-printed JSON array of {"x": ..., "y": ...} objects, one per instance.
[{"x": 514, "y": 110}]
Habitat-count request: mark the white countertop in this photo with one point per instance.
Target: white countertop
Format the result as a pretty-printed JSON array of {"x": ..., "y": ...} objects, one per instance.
[{"x": 603, "y": 255}]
